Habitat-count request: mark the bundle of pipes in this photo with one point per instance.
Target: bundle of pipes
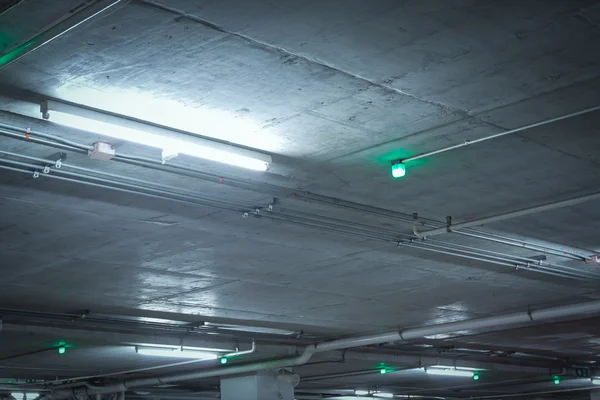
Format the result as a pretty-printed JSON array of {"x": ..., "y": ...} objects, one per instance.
[
  {"x": 46, "y": 168},
  {"x": 506, "y": 321}
]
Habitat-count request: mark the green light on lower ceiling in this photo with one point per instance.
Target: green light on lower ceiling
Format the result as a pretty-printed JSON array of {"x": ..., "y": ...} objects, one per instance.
[
  {"x": 62, "y": 350},
  {"x": 383, "y": 371},
  {"x": 398, "y": 169},
  {"x": 224, "y": 360},
  {"x": 556, "y": 380},
  {"x": 476, "y": 376}
]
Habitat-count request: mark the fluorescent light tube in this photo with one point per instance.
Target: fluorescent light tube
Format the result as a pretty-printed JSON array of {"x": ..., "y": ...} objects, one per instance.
[
  {"x": 449, "y": 372},
  {"x": 596, "y": 381},
  {"x": 252, "y": 329},
  {"x": 176, "y": 353},
  {"x": 384, "y": 395},
  {"x": 361, "y": 392},
  {"x": 169, "y": 141}
]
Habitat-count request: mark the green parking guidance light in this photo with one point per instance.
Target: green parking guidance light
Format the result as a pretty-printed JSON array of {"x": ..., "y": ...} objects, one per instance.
[
  {"x": 398, "y": 169},
  {"x": 224, "y": 360},
  {"x": 556, "y": 379},
  {"x": 62, "y": 350}
]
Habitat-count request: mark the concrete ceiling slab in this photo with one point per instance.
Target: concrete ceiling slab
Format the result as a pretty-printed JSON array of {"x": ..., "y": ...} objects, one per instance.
[{"x": 335, "y": 92}]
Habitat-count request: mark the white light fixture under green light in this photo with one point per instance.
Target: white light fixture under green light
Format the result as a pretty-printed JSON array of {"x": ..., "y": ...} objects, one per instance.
[
  {"x": 449, "y": 372},
  {"x": 171, "y": 142},
  {"x": 398, "y": 169},
  {"x": 596, "y": 381},
  {"x": 177, "y": 352}
]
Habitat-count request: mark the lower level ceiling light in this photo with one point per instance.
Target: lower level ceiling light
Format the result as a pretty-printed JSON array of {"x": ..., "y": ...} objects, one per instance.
[
  {"x": 596, "y": 381},
  {"x": 383, "y": 395},
  {"x": 178, "y": 352},
  {"x": 361, "y": 392},
  {"x": 449, "y": 372},
  {"x": 169, "y": 141}
]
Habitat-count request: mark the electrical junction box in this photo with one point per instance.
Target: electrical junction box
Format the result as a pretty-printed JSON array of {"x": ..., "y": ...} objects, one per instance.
[{"x": 101, "y": 151}]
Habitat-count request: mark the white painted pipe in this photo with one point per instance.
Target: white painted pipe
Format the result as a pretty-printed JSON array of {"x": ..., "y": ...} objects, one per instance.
[
  {"x": 511, "y": 214},
  {"x": 497, "y": 135},
  {"x": 508, "y": 320}
]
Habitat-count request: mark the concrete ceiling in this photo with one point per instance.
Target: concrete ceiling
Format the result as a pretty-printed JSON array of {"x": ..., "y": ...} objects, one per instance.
[{"x": 334, "y": 91}]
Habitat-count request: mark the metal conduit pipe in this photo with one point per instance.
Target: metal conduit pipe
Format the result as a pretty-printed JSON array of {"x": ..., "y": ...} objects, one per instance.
[
  {"x": 135, "y": 189},
  {"x": 161, "y": 194},
  {"x": 532, "y": 261},
  {"x": 276, "y": 190},
  {"x": 497, "y": 135},
  {"x": 427, "y": 360},
  {"x": 158, "y": 193},
  {"x": 498, "y": 256},
  {"x": 508, "y": 215},
  {"x": 511, "y": 364},
  {"x": 206, "y": 198},
  {"x": 529, "y": 263},
  {"x": 513, "y": 264},
  {"x": 562, "y": 252},
  {"x": 76, "y": 17},
  {"x": 522, "y": 244},
  {"x": 572, "y": 311},
  {"x": 9, "y": 130}
]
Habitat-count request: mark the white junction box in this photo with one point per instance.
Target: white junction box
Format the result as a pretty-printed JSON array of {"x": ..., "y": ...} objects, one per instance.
[{"x": 102, "y": 151}]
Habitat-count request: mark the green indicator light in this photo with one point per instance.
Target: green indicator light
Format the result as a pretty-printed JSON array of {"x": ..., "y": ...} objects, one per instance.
[
  {"x": 224, "y": 360},
  {"x": 398, "y": 169},
  {"x": 383, "y": 371},
  {"x": 62, "y": 350},
  {"x": 556, "y": 380},
  {"x": 476, "y": 376}
]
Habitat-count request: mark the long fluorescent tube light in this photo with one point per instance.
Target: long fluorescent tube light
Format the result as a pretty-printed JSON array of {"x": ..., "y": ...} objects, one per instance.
[
  {"x": 449, "y": 372},
  {"x": 169, "y": 141},
  {"x": 596, "y": 381},
  {"x": 383, "y": 395},
  {"x": 361, "y": 392},
  {"x": 252, "y": 329},
  {"x": 176, "y": 353}
]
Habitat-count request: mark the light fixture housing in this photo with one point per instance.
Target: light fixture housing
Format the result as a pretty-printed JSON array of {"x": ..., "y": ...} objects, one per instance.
[
  {"x": 176, "y": 352},
  {"x": 250, "y": 329},
  {"x": 398, "y": 169},
  {"x": 383, "y": 395},
  {"x": 171, "y": 142},
  {"x": 449, "y": 372}
]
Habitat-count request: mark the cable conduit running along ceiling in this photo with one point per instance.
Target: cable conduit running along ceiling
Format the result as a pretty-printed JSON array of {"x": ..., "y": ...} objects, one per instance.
[
  {"x": 47, "y": 169},
  {"x": 263, "y": 188},
  {"x": 487, "y": 362},
  {"x": 497, "y": 135},
  {"x": 507, "y": 320},
  {"x": 132, "y": 185}
]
